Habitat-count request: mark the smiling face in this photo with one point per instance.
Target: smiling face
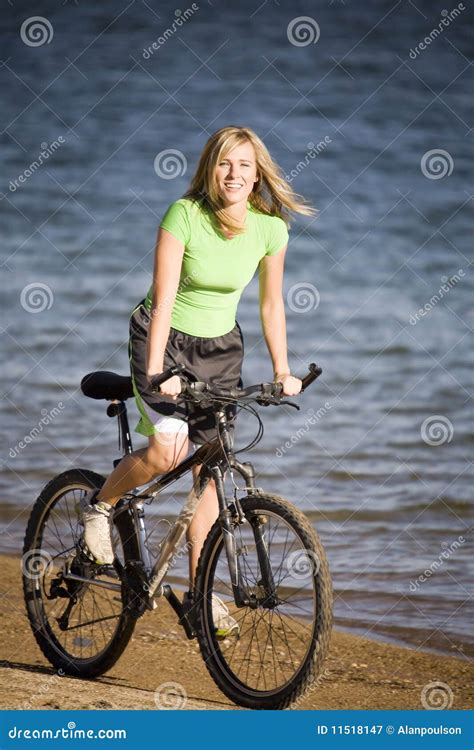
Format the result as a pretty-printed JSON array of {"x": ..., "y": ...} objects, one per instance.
[{"x": 236, "y": 174}]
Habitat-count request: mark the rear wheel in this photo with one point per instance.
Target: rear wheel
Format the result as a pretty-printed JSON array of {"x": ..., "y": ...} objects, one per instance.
[
  {"x": 81, "y": 628},
  {"x": 281, "y": 642}
]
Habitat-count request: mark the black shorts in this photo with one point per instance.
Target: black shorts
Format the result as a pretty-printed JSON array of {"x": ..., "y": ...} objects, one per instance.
[{"x": 217, "y": 361}]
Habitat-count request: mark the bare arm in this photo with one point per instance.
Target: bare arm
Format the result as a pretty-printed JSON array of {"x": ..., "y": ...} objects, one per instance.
[
  {"x": 272, "y": 316},
  {"x": 272, "y": 309},
  {"x": 167, "y": 269}
]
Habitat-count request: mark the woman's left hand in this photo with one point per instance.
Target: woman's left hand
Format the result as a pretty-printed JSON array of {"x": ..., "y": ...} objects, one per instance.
[{"x": 291, "y": 385}]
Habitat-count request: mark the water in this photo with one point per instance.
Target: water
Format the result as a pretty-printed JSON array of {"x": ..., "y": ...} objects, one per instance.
[{"x": 386, "y": 502}]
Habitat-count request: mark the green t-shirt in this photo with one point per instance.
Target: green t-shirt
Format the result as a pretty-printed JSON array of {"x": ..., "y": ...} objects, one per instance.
[{"x": 215, "y": 270}]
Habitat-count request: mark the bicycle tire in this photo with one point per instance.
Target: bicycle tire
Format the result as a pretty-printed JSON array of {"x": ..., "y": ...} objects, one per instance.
[
  {"x": 316, "y": 655},
  {"x": 42, "y": 631}
]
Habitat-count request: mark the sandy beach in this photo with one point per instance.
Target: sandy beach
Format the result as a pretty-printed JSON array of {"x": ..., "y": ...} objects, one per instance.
[{"x": 359, "y": 673}]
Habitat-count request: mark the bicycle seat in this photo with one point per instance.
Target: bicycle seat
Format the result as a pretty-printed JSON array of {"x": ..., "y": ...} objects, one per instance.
[{"x": 107, "y": 385}]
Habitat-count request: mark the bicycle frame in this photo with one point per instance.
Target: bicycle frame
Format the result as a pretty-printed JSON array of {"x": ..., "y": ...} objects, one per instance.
[
  {"x": 140, "y": 578},
  {"x": 215, "y": 458}
]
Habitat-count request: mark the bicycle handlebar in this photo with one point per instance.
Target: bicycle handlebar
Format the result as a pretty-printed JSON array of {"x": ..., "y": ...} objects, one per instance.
[{"x": 265, "y": 390}]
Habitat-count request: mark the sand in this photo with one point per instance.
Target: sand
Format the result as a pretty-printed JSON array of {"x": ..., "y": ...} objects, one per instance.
[{"x": 359, "y": 673}]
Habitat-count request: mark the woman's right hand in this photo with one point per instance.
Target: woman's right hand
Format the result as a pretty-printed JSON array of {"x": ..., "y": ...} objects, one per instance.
[{"x": 171, "y": 387}]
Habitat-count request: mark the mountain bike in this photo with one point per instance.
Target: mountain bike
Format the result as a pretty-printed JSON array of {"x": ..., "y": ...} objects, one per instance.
[{"x": 261, "y": 557}]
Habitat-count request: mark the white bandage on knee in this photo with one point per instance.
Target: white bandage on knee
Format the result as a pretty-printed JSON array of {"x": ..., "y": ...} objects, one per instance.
[
  {"x": 164, "y": 424},
  {"x": 171, "y": 424}
]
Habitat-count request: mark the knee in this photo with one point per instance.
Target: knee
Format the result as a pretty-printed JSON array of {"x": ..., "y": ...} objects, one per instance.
[{"x": 162, "y": 458}]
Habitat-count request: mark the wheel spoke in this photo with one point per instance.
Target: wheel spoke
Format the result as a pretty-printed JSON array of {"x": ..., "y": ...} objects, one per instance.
[
  {"x": 95, "y": 618},
  {"x": 272, "y": 643}
]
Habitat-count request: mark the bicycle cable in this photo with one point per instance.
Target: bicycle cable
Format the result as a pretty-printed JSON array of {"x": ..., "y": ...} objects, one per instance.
[{"x": 255, "y": 440}]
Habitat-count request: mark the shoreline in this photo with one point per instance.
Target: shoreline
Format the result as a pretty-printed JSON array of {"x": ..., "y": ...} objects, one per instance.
[
  {"x": 411, "y": 639},
  {"x": 407, "y": 639},
  {"x": 379, "y": 637},
  {"x": 359, "y": 673}
]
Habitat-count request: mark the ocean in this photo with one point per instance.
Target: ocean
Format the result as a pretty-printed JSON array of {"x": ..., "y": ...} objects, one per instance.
[{"x": 368, "y": 110}]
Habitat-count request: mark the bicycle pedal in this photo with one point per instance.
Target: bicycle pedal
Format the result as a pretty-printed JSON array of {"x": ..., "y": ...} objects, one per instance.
[{"x": 186, "y": 610}]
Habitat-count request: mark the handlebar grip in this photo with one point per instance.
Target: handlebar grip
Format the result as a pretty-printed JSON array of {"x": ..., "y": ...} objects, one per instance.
[
  {"x": 314, "y": 372},
  {"x": 157, "y": 380},
  {"x": 277, "y": 389}
]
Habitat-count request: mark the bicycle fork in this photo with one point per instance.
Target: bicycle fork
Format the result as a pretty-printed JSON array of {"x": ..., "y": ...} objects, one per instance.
[{"x": 242, "y": 597}]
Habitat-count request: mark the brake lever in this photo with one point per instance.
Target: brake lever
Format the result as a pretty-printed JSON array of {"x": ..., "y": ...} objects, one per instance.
[
  {"x": 290, "y": 403},
  {"x": 272, "y": 401},
  {"x": 264, "y": 400}
]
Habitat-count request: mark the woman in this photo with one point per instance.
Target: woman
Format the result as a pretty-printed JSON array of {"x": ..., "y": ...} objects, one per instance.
[{"x": 231, "y": 221}]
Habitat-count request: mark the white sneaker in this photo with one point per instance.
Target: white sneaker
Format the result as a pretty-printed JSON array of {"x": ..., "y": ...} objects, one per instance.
[
  {"x": 224, "y": 623},
  {"x": 97, "y": 532}
]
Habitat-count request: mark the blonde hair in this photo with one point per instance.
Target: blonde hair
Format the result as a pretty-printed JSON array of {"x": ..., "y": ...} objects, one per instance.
[{"x": 271, "y": 194}]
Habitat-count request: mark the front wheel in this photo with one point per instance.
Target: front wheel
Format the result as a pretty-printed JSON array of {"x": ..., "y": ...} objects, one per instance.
[{"x": 279, "y": 645}]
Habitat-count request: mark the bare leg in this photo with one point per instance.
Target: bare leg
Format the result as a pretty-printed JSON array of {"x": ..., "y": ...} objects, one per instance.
[
  {"x": 206, "y": 513},
  {"x": 142, "y": 466}
]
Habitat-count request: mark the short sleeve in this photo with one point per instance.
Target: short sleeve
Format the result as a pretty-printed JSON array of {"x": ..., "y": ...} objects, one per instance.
[
  {"x": 176, "y": 221},
  {"x": 277, "y": 235}
]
